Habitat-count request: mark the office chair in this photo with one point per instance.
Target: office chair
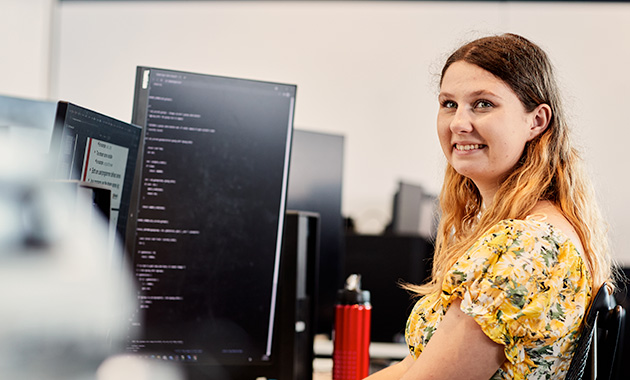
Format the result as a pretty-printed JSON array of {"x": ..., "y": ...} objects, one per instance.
[{"x": 598, "y": 354}]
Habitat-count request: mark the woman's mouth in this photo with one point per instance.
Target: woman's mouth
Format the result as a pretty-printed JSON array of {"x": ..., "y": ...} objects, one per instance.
[{"x": 466, "y": 147}]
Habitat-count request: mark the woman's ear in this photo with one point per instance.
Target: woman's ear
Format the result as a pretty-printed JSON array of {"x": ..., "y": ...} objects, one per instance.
[{"x": 541, "y": 117}]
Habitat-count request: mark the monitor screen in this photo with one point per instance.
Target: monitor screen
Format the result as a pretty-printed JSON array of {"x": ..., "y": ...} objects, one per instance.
[
  {"x": 210, "y": 213},
  {"x": 90, "y": 147}
]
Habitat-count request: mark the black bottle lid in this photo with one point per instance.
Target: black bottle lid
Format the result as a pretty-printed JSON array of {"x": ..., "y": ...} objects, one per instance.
[{"x": 352, "y": 294}]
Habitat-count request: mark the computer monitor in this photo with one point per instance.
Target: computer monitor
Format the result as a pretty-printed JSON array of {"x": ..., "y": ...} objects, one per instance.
[
  {"x": 415, "y": 212},
  {"x": 315, "y": 184},
  {"x": 209, "y": 219},
  {"x": 27, "y": 123},
  {"x": 91, "y": 147}
]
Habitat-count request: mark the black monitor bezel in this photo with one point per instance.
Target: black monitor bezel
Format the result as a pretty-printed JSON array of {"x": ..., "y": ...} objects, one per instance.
[{"x": 270, "y": 368}]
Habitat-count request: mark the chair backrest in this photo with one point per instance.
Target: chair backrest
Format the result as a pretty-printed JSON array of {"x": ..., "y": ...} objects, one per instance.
[{"x": 598, "y": 353}]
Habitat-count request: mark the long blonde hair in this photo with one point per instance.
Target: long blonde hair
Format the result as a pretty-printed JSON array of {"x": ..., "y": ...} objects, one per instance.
[{"x": 549, "y": 169}]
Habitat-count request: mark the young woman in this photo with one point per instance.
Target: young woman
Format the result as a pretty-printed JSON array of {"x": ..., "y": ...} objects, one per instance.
[{"x": 520, "y": 246}]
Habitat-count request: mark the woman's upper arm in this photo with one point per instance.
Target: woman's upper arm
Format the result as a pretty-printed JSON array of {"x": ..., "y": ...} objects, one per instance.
[
  {"x": 458, "y": 349},
  {"x": 393, "y": 372}
]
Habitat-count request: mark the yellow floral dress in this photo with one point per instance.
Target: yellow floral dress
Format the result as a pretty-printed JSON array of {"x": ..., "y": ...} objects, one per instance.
[{"x": 527, "y": 286}]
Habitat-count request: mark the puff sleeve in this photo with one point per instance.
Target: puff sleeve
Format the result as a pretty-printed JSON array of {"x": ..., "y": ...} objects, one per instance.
[{"x": 527, "y": 287}]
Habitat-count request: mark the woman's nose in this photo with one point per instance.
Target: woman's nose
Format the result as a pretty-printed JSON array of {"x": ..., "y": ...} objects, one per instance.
[{"x": 461, "y": 121}]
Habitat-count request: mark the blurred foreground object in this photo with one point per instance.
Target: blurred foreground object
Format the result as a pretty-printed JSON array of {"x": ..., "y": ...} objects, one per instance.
[
  {"x": 65, "y": 294},
  {"x": 127, "y": 367}
]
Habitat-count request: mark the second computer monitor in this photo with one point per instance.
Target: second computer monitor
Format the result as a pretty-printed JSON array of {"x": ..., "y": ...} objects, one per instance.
[
  {"x": 315, "y": 184},
  {"x": 90, "y": 147}
]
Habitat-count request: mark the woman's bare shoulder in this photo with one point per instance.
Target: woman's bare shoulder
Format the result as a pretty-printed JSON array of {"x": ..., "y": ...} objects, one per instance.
[{"x": 549, "y": 213}]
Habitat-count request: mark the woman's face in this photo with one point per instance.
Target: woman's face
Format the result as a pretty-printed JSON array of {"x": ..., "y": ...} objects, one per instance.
[{"x": 482, "y": 125}]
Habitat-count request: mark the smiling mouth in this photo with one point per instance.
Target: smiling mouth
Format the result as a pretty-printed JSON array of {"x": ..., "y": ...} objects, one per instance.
[{"x": 468, "y": 147}]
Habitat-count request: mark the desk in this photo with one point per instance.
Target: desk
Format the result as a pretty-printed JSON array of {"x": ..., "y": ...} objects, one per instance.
[{"x": 381, "y": 355}]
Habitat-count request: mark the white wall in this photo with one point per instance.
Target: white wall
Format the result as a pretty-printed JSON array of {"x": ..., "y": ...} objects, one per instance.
[
  {"x": 363, "y": 69},
  {"x": 25, "y": 45}
]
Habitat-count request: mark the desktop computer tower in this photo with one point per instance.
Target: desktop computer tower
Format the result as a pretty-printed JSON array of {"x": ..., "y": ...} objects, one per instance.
[{"x": 297, "y": 296}]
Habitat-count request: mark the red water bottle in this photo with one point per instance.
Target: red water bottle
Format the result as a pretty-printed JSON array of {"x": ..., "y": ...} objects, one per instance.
[{"x": 351, "y": 350}]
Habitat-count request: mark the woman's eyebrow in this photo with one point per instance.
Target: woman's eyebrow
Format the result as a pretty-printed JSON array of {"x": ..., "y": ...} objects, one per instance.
[{"x": 476, "y": 93}]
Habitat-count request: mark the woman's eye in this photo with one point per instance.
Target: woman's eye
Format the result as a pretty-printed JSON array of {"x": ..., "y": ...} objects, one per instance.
[
  {"x": 449, "y": 104},
  {"x": 483, "y": 104}
]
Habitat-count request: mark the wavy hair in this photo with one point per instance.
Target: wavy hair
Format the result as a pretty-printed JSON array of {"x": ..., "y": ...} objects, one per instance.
[{"x": 550, "y": 167}]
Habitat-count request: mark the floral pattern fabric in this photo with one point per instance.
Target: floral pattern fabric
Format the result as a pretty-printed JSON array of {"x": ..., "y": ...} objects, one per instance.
[{"x": 527, "y": 286}]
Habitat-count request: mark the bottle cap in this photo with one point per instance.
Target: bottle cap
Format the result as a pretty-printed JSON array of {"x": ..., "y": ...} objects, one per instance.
[{"x": 352, "y": 294}]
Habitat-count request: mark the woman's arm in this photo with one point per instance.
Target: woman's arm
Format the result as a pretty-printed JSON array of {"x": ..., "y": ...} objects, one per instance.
[
  {"x": 394, "y": 371},
  {"x": 458, "y": 350}
]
